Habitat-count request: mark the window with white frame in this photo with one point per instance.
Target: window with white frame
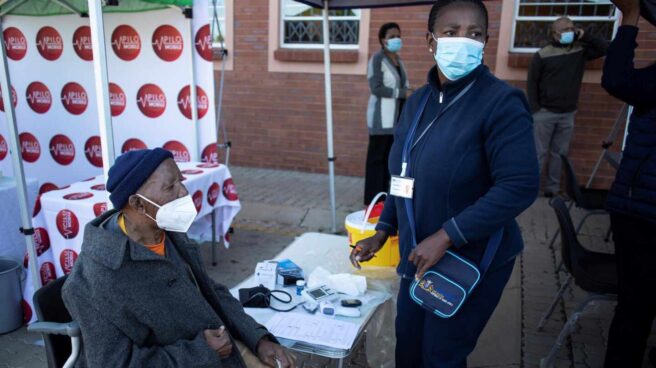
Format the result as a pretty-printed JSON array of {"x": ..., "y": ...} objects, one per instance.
[
  {"x": 533, "y": 19},
  {"x": 301, "y": 26},
  {"x": 218, "y": 7}
]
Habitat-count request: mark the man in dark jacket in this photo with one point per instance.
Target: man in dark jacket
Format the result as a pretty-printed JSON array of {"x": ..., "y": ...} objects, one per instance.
[
  {"x": 139, "y": 290},
  {"x": 632, "y": 197},
  {"x": 554, "y": 82}
]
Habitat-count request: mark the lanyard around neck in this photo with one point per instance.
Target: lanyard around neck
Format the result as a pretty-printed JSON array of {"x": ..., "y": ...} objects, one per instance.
[{"x": 409, "y": 145}]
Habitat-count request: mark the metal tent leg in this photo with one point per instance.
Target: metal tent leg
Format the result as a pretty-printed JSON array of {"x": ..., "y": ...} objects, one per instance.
[{"x": 214, "y": 243}]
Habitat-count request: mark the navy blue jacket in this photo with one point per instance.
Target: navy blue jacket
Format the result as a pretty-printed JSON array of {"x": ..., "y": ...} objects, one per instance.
[
  {"x": 475, "y": 170},
  {"x": 634, "y": 190}
]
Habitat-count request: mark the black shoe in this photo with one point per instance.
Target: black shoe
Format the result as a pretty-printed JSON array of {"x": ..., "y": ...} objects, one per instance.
[{"x": 548, "y": 194}]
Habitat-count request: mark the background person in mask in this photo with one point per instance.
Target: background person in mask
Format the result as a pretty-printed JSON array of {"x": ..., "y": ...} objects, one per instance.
[
  {"x": 389, "y": 87},
  {"x": 474, "y": 168},
  {"x": 139, "y": 290},
  {"x": 554, "y": 82}
]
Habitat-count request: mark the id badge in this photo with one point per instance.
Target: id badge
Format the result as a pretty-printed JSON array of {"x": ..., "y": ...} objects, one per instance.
[{"x": 402, "y": 187}]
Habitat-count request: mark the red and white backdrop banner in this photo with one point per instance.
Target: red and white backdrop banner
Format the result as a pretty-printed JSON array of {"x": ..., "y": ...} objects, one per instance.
[
  {"x": 60, "y": 216},
  {"x": 149, "y": 62}
]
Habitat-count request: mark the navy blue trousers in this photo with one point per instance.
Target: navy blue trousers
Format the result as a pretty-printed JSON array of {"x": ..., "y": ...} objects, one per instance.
[{"x": 424, "y": 340}]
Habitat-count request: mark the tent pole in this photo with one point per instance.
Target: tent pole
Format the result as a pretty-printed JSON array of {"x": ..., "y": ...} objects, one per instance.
[
  {"x": 101, "y": 85},
  {"x": 19, "y": 173},
  {"x": 329, "y": 112},
  {"x": 188, "y": 12}
]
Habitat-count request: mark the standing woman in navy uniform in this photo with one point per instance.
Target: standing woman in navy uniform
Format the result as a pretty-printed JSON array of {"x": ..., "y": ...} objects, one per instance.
[{"x": 473, "y": 169}]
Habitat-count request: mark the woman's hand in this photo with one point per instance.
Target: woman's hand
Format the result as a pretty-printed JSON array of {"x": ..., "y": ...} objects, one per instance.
[
  {"x": 630, "y": 11},
  {"x": 429, "y": 252},
  {"x": 366, "y": 249},
  {"x": 219, "y": 341}
]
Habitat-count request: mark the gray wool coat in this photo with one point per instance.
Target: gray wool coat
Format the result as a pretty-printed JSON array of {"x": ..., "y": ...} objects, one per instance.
[{"x": 136, "y": 309}]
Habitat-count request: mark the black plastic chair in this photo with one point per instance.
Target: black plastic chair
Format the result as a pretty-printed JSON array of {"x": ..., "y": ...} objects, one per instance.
[
  {"x": 593, "y": 272},
  {"x": 61, "y": 334},
  {"x": 590, "y": 200}
]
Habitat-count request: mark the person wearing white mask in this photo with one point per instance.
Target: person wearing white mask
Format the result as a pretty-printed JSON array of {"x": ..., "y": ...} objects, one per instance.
[
  {"x": 553, "y": 85},
  {"x": 463, "y": 166},
  {"x": 139, "y": 289},
  {"x": 389, "y": 86}
]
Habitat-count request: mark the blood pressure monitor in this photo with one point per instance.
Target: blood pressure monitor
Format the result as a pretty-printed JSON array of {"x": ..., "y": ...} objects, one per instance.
[{"x": 319, "y": 294}]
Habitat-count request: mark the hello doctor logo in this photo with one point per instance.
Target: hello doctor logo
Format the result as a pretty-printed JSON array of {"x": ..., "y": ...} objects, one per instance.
[
  {"x": 167, "y": 43},
  {"x": 126, "y": 42},
  {"x": 15, "y": 43},
  {"x": 49, "y": 43}
]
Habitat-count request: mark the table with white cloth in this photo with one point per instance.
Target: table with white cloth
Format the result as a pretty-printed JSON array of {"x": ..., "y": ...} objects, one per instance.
[
  {"x": 61, "y": 215},
  {"x": 312, "y": 250},
  {"x": 12, "y": 241}
]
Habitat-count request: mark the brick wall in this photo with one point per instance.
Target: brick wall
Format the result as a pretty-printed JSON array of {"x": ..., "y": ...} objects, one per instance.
[{"x": 277, "y": 120}]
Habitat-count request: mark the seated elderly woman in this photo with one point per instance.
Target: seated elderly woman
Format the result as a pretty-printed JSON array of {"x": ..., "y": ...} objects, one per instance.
[{"x": 139, "y": 290}]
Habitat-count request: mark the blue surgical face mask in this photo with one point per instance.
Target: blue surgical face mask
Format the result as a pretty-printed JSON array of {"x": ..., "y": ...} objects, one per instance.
[
  {"x": 458, "y": 56},
  {"x": 567, "y": 38},
  {"x": 394, "y": 44}
]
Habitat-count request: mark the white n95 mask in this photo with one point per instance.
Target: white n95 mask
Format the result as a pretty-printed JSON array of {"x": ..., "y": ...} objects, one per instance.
[{"x": 177, "y": 215}]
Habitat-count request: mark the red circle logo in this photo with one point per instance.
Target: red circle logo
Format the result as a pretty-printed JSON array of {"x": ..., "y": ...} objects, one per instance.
[
  {"x": 37, "y": 206},
  {"x": 213, "y": 193},
  {"x": 203, "y": 42},
  {"x": 184, "y": 102},
  {"x": 167, "y": 43},
  {"x": 117, "y": 99},
  {"x": 67, "y": 260},
  {"x": 82, "y": 43},
  {"x": 30, "y": 147},
  {"x": 67, "y": 224},
  {"x": 42, "y": 240},
  {"x": 49, "y": 43},
  {"x": 14, "y": 99},
  {"x": 230, "y": 190},
  {"x": 38, "y": 97},
  {"x": 198, "y": 200},
  {"x": 93, "y": 151},
  {"x": 133, "y": 144},
  {"x": 78, "y": 196},
  {"x": 192, "y": 172},
  {"x": 209, "y": 154},
  {"x": 15, "y": 43},
  {"x": 4, "y": 150},
  {"x": 62, "y": 149},
  {"x": 99, "y": 187},
  {"x": 27, "y": 312},
  {"x": 47, "y": 272},
  {"x": 179, "y": 151},
  {"x": 99, "y": 208},
  {"x": 151, "y": 100},
  {"x": 74, "y": 98},
  {"x": 208, "y": 165},
  {"x": 126, "y": 42},
  {"x": 47, "y": 187}
]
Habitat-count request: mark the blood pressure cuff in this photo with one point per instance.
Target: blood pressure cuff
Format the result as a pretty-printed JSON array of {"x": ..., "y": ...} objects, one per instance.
[
  {"x": 260, "y": 297},
  {"x": 445, "y": 287}
]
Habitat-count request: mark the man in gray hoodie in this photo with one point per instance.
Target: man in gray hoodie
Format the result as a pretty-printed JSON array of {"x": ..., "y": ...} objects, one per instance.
[{"x": 139, "y": 290}]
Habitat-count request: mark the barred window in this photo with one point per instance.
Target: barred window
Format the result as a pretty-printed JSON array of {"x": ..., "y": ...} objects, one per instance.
[
  {"x": 220, "y": 8},
  {"x": 533, "y": 19},
  {"x": 302, "y": 27}
]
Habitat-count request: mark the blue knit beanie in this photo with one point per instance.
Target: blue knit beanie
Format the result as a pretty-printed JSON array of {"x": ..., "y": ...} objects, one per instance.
[{"x": 130, "y": 171}]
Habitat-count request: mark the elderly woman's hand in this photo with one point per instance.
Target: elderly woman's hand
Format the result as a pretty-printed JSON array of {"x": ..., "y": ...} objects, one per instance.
[
  {"x": 429, "y": 252},
  {"x": 630, "y": 11}
]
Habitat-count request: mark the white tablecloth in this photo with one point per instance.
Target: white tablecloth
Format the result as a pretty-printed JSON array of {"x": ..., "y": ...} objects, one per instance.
[
  {"x": 61, "y": 215},
  {"x": 12, "y": 242}
]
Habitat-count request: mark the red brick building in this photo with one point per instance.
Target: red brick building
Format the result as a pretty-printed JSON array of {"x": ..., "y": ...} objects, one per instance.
[{"x": 274, "y": 90}]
